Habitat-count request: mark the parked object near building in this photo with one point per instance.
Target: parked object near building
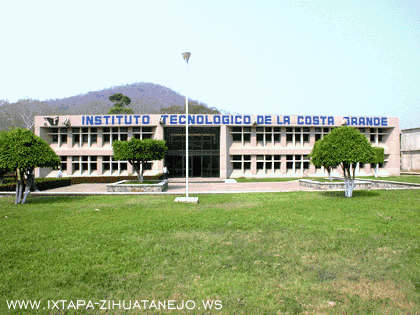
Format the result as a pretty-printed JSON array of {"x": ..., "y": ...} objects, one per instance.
[{"x": 221, "y": 146}]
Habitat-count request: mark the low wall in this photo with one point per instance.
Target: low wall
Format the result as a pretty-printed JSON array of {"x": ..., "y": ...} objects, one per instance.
[
  {"x": 333, "y": 186},
  {"x": 160, "y": 186},
  {"x": 359, "y": 184}
]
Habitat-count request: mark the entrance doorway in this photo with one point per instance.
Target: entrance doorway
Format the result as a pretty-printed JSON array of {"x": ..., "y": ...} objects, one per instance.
[{"x": 204, "y": 151}]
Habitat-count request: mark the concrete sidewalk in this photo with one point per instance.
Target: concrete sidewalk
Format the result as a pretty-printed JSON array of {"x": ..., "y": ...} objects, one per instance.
[{"x": 178, "y": 188}]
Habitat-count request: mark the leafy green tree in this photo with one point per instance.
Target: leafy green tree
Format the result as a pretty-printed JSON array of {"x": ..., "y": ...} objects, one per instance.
[
  {"x": 379, "y": 158},
  {"x": 194, "y": 108},
  {"x": 22, "y": 151},
  {"x": 3, "y": 169},
  {"x": 320, "y": 158},
  {"x": 345, "y": 146},
  {"x": 119, "y": 100},
  {"x": 138, "y": 152}
]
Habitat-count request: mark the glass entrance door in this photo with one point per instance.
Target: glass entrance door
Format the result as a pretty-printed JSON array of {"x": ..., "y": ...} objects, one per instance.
[{"x": 204, "y": 151}]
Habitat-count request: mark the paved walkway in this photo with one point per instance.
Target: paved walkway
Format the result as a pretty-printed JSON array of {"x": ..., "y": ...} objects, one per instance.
[{"x": 178, "y": 187}]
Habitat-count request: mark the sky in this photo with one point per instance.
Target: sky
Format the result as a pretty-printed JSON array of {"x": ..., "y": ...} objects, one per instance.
[{"x": 284, "y": 57}]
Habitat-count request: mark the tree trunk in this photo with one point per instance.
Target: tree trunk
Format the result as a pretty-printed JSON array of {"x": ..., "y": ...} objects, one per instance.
[
  {"x": 137, "y": 169},
  {"x": 329, "y": 172},
  {"x": 376, "y": 170},
  {"x": 30, "y": 184},
  {"x": 141, "y": 173},
  {"x": 18, "y": 186}
]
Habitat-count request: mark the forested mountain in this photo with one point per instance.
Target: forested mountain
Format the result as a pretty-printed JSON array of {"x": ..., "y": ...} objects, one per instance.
[{"x": 146, "y": 98}]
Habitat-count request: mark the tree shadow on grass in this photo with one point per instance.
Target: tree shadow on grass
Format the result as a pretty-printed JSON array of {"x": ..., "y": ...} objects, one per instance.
[
  {"x": 356, "y": 194},
  {"x": 33, "y": 200}
]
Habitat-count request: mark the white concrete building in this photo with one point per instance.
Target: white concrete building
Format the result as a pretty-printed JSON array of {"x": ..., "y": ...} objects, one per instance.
[
  {"x": 222, "y": 146},
  {"x": 410, "y": 149}
]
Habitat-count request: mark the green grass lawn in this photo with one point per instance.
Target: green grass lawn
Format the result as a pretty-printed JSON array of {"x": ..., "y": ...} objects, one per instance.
[
  {"x": 262, "y": 253},
  {"x": 402, "y": 178}
]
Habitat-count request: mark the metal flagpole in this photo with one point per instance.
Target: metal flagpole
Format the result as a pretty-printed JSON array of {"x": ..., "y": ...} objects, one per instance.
[{"x": 186, "y": 56}]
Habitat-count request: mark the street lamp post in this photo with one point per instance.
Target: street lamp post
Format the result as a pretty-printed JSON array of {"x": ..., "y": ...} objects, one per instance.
[
  {"x": 188, "y": 199},
  {"x": 186, "y": 56}
]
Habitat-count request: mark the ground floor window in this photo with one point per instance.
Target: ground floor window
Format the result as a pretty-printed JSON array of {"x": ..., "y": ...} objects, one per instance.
[
  {"x": 84, "y": 165},
  {"x": 297, "y": 163}
]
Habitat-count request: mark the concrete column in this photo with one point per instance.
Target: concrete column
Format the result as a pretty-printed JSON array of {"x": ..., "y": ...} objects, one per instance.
[
  {"x": 158, "y": 135},
  {"x": 312, "y": 137},
  {"x": 253, "y": 137},
  {"x": 224, "y": 152},
  {"x": 283, "y": 137},
  {"x": 100, "y": 168},
  {"x": 283, "y": 170},
  {"x": 253, "y": 165}
]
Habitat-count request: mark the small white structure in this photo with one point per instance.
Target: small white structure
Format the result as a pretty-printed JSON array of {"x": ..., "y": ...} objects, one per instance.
[{"x": 410, "y": 149}]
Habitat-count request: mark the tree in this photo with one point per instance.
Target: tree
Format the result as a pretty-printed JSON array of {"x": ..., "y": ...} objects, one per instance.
[
  {"x": 22, "y": 151},
  {"x": 379, "y": 158},
  {"x": 3, "y": 170},
  {"x": 138, "y": 152},
  {"x": 119, "y": 101},
  {"x": 22, "y": 113},
  {"x": 320, "y": 158},
  {"x": 345, "y": 146},
  {"x": 194, "y": 108}
]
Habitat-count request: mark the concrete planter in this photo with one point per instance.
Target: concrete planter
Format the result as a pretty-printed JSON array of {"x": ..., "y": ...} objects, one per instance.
[
  {"x": 332, "y": 186},
  {"x": 359, "y": 184},
  {"x": 160, "y": 186}
]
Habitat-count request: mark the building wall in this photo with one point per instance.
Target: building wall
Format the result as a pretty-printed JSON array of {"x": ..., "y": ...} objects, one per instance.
[
  {"x": 250, "y": 145},
  {"x": 410, "y": 149}
]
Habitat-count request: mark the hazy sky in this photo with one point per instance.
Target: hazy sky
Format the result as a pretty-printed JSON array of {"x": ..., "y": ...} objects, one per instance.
[{"x": 315, "y": 57}]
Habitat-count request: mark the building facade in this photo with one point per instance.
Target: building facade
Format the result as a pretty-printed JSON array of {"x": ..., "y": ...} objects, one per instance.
[
  {"x": 410, "y": 149},
  {"x": 222, "y": 146}
]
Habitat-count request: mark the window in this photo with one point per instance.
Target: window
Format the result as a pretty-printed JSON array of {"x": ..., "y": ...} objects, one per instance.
[
  {"x": 84, "y": 136},
  {"x": 111, "y": 166},
  {"x": 241, "y": 162},
  {"x": 320, "y": 132},
  {"x": 241, "y": 134},
  {"x": 297, "y": 163},
  {"x": 379, "y": 135},
  {"x": 63, "y": 164},
  {"x": 143, "y": 132},
  {"x": 297, "y": 135},
  {"x": 86, "y": 165}
]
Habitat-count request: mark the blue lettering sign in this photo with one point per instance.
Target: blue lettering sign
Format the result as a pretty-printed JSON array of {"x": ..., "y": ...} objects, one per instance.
[
  {"x": 331, "y": 120},
  {"x": 216, "y": 119},
  {"x": 183, "y": 120},
  {"x": 237, "y": 119},
  {"x": 247, "y": 120},
  {"x": 207, "y": 120},
  {"x": 200, "y": 119},
  {"x": 354, "y": 121},
  {"x": 300, "y": 120},
  {"x": 362, "y": 121},
  {"x": 376, "y": 121},
  {"x": 384, "y": 121},
  {"x": 225, "y": 119},
  {"x": 268, "y": 120},
  {"x": 98, "y": 120},
  {"x": 369, "y": 121},
  {"x": 316, "y": 120},
  {"x": 172, "y": 119},
  {"x": 128, "y": 122}
]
